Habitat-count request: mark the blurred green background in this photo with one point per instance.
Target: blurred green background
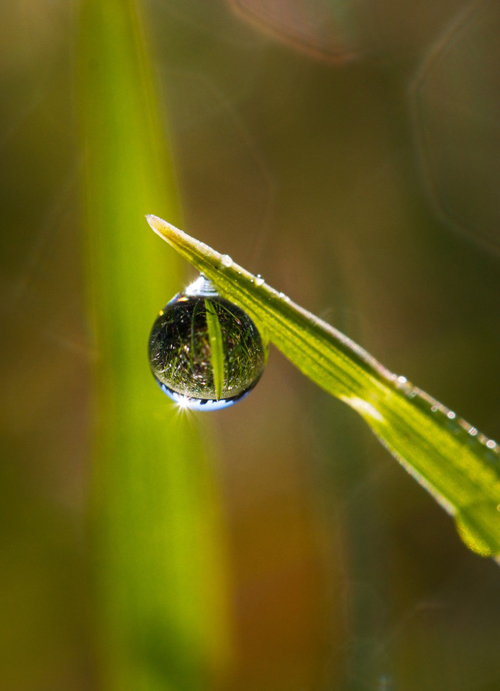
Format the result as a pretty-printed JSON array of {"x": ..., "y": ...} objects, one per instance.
[{"x": 348, "y": 152}]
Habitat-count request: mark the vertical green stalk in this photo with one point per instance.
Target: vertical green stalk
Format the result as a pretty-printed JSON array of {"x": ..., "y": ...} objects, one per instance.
[{"x": 159, "y": 566}]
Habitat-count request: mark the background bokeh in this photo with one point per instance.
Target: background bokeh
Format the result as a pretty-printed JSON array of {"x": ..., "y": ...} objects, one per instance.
[{"x": 348, "y": 152}]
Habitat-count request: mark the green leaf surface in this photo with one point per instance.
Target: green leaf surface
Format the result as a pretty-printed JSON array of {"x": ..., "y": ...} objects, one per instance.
[
  {"x": 216, "y": 347},
  {"x": 157, "y": 536},
  {"x": 445, "y": 454}
]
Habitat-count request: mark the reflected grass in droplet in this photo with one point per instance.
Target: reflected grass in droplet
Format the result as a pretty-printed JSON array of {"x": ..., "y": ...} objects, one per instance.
[{"x": 216, "y": 346}]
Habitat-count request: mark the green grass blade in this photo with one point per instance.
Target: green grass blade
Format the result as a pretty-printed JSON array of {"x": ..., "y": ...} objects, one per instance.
[
  {"x": 456, "y": 463},
  {"x": 216, "y": 347},
  {"x": 159, "y": 551}
]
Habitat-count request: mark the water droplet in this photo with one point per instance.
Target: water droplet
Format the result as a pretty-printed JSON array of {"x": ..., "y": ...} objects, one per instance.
[
  {"x": 451, "y": 415},
  {"x": 434, "y": 409},
  {"x": 226, "y": 260},
  {"x": 491, "y": 444},
  {"x": 259, "y": 280},
  {"x": 284, "y": 297},
  {"x": 205, "y": 352}
]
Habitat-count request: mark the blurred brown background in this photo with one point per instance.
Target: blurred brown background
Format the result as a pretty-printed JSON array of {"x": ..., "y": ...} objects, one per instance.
[{"x": 348, "y": 152}]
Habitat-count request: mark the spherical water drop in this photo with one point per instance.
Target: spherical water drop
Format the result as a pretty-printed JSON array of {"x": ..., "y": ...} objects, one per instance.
[
  {"x": 226, "y": 260},
  {"x": 259, "y": 280},
  {"x": 205, "y": 353}
]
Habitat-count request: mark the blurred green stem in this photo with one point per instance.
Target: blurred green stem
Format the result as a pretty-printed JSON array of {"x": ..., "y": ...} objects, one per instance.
[{"x": 157, "y": 534}]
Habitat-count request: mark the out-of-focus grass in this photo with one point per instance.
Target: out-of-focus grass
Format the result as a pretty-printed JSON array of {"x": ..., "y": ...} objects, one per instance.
[{"x": 159, "y": 551}]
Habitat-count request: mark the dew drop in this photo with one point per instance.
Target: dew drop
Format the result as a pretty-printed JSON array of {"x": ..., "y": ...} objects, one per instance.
[
  {"x": 205, "y": 352},
  {"x": 259, "y": 280},
  {"x": 226, "y": 260}
]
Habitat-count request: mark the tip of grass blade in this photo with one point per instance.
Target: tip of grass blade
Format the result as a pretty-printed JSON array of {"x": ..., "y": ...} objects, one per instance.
[
  {"x": 165, "y": 230},
  {"x": 190, "y": 248}
]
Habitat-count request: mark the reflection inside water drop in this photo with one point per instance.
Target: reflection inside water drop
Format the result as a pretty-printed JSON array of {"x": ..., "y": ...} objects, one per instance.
[{"x": 205, "y": 352}]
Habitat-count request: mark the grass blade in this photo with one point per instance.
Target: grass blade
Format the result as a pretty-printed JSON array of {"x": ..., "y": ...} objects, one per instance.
[
  {"x": 159, "y": 551},
  {"x": 449, "y": 457},
  {"x": 216, "y": 347}
]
